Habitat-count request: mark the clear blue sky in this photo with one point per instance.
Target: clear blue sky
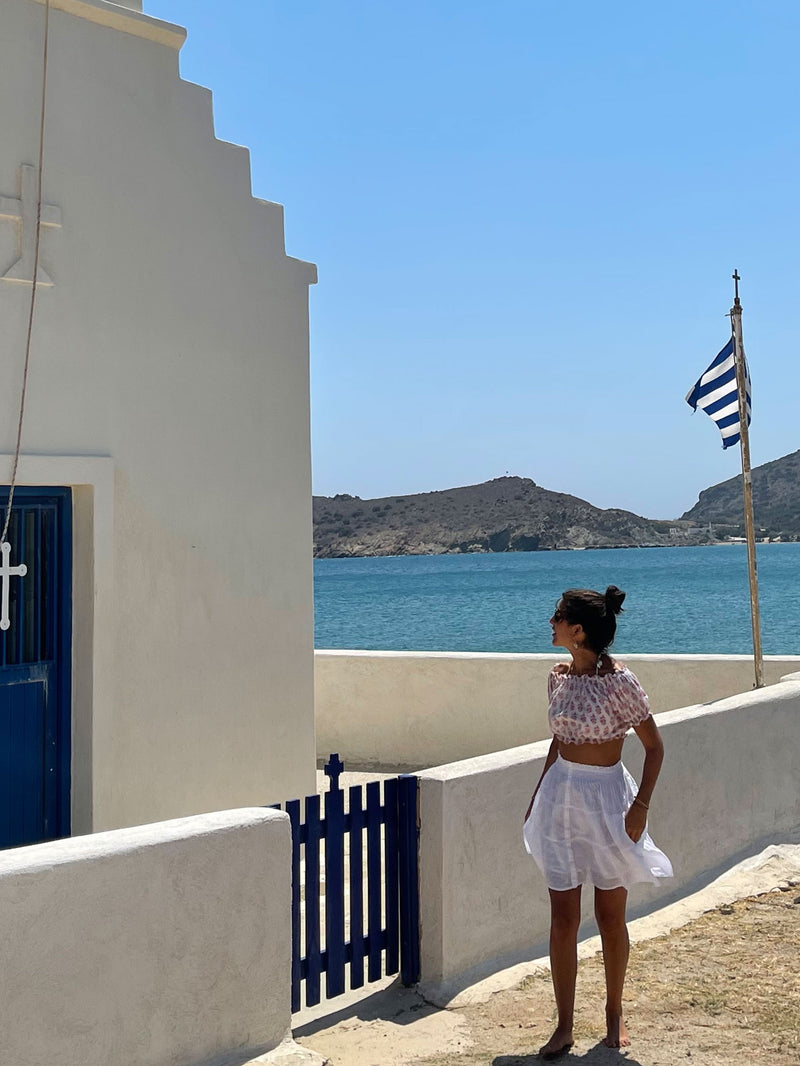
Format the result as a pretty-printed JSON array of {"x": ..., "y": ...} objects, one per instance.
[{"x": 525, "y": 217}]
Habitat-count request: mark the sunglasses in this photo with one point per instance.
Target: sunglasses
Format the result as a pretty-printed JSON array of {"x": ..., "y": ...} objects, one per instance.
[{"x": 559, "y": 614}]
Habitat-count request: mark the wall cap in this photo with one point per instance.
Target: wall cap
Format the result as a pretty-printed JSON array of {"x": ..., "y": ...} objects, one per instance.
[
  {"x": 126, "y": 19},
  {"x": 639, "y": 657},
  {"x": 120, "y": 842}
]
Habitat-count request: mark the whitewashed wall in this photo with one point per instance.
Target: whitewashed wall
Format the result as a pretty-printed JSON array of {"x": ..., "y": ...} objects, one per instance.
[
  {"x": 165, "y": 945},
  {"x": 729, "y": 785},
  {"x": 418, "y": 709},
  {"x": 169, "y": 387}
]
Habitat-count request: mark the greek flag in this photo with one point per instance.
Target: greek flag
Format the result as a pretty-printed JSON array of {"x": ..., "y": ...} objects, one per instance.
[{"x": 717, "y": 395}]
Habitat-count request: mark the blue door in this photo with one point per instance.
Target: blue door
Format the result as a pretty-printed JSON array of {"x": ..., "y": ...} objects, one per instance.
[{"x": 35, "y": 659}]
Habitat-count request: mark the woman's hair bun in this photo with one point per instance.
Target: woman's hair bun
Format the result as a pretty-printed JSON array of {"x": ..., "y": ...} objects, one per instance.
[{"x": 614, "y": 599}]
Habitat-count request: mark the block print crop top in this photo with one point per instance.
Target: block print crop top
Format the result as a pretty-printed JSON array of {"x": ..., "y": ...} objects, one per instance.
[{"x": 594, "y": 708}]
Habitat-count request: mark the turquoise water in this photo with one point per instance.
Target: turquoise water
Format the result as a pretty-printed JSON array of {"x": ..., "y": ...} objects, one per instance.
[{"x": 679, "y": 599}]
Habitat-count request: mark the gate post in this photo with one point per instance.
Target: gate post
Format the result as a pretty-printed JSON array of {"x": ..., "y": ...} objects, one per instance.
[
  {"x": 408, "y": 870},
  {"x": 334, "y": 880}
]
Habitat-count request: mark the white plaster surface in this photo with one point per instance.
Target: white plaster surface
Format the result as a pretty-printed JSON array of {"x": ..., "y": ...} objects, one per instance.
[
  {"x": 164, "y": 945},
  {"x": 173, "y": 344},
  {"x": 729, "y": 782},
  {"x": 421, "y": 709}
]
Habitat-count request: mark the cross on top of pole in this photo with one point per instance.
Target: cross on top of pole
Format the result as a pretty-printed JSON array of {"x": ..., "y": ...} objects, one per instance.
[
  {"x": 333, "y": 767},
  {"x": 736, "y": 280}
]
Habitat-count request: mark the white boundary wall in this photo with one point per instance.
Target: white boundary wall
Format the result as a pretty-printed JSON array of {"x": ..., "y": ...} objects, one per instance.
[
  {"x": 164, "y": 945},
  {"x": 417, "y": 709},
  {"x": 729, "y": 782}
]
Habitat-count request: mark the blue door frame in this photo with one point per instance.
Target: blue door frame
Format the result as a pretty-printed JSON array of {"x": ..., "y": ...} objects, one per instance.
[{"x": 36, "y": 669}]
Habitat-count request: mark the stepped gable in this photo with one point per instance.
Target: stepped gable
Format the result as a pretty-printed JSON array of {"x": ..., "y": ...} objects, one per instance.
[
  {"x": 169, "y": 395},
  {"x": 776, "y": 498}
]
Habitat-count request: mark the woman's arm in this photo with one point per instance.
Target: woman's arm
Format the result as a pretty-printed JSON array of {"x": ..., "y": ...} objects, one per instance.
[
  {"x": 636, "y": 818},
  {"x": 552, "y": 755}
]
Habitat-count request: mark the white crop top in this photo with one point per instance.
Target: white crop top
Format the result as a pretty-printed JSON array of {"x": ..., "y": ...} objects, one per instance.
[{"x": 594, "y": 708}]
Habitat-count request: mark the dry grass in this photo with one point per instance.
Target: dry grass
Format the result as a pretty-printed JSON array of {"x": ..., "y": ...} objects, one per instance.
[{"x": 724, "y": 989}]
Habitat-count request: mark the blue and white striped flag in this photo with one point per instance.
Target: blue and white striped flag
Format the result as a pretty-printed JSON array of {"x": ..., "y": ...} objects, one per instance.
[{"x": 717, "y": 395}]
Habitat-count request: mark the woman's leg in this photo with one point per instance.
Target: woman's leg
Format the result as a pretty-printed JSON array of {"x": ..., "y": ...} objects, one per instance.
[
  {"x": 565, "y": 917},
  {"x": 609, "y": 909}
]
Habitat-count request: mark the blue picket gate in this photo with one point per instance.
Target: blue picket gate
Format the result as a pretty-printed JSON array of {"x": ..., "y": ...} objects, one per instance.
[{"x": 332, "y": 838}]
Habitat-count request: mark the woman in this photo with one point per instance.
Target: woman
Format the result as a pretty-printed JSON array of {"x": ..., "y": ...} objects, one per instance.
[{"x": 587, "y": 822}]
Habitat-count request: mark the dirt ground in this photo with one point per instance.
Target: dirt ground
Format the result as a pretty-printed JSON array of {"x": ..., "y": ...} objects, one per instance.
[{"x": 723, "y": 989}]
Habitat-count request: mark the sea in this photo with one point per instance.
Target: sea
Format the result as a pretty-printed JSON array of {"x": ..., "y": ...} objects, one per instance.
[{"x": 679, "y": 600}]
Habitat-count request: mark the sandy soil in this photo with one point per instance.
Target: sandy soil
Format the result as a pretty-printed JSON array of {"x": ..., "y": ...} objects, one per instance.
[{"x": 723, "y": 989}]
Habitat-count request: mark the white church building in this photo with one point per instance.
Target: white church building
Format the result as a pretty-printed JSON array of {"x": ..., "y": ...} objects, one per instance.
[{"x": 158, "y": 659}]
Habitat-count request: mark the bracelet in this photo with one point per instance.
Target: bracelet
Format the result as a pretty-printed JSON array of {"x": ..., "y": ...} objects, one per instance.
[{"x": 642, "y": 803}]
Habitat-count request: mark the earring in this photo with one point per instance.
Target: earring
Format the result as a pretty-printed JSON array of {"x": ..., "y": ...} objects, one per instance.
[{"x": 576, "y": 645}]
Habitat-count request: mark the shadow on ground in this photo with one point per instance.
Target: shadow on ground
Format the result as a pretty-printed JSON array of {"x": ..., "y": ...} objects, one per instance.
[
  {"x": 599, "y": 1055},
  {"x": 396, "y": 1004}
]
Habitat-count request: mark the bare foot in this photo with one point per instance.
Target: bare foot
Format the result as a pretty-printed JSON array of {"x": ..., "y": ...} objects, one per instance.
[
  {"x": 616, "y": 1033},
  {"x": 559, "y": 1042}
]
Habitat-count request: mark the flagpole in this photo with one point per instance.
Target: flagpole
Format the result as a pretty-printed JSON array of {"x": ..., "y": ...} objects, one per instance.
[{"x": 747, "y": 487}]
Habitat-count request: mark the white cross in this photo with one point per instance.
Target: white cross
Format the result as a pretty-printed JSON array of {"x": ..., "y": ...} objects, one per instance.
[
  {"x": 6, "y": 572},
  {"x": 23, "y": 211}
]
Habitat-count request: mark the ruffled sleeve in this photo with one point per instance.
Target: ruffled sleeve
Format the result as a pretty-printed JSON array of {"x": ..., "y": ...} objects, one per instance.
[
  {"x": 632, "y": 704},
  {"x": 554, "y": 680}
]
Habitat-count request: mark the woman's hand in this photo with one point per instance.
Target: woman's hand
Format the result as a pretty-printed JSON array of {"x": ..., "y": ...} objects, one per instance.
[{"x": 635, "y": 821}]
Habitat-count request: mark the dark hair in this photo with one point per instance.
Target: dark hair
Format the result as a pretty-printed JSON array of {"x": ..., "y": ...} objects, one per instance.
[{"x": 596, "y": 612}]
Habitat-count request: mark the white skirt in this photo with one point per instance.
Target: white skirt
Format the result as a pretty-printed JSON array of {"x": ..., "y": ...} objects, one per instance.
[{"x": 576, "y": 829}]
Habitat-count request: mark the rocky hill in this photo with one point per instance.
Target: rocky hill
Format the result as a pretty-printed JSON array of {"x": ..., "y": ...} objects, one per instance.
[
  {"x": 776, "y": 500},
  {"x": 506, "y": 514}
]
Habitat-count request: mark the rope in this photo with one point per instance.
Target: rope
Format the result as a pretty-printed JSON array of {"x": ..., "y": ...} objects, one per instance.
[{"x": 37, "y": 239}]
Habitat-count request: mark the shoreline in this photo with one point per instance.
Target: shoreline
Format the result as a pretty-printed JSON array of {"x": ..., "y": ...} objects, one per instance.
[{"x": 544, "y": 551}]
